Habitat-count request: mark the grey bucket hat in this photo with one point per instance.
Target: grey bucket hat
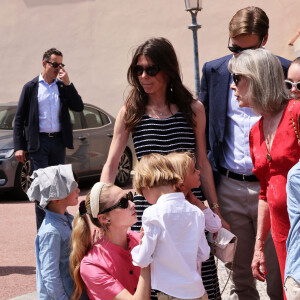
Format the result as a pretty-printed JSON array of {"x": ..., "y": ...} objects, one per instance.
[{"x": 51, "y": 183}]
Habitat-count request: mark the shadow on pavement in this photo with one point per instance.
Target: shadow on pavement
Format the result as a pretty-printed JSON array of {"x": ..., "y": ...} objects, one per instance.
[{"x": 8, "y": 270}]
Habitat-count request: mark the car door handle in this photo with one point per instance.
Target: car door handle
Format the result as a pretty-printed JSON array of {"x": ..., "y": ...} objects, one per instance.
[
  {"x": 82, "y": 138},
  {"x": 109, "y": 135}
]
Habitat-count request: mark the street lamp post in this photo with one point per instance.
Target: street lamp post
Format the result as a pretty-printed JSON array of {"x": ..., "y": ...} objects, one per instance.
[{"x": 193, "y": 6}]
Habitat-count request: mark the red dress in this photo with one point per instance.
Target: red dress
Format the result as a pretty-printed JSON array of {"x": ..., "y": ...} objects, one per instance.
[{"x": 285, "y": 153}]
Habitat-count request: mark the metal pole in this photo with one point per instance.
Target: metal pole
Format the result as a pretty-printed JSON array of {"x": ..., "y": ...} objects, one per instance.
[{"x": 194, "y": 27}]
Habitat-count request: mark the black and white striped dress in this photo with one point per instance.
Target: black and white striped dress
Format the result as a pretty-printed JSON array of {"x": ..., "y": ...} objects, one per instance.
[{"x": 164, "y": 136}]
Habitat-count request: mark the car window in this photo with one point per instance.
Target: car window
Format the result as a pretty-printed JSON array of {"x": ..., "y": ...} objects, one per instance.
[
  {"x": 105, "y": 118},
  {"x": 75, "y": 119},
  {"x": 7, "y": 117},
  {"x": 92, "y": 117}
]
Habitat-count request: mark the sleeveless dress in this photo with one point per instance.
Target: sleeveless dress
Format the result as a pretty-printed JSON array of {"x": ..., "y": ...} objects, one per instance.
[
  {"x": 272, "y": 174},
  {"x": 164, "y": 136}
]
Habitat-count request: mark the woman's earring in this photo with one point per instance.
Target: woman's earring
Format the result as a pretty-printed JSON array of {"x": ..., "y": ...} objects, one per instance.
[{"x": 108, "y": 221}]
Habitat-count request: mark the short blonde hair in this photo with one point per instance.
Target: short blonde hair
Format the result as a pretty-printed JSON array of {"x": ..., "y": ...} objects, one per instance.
[
  {"x": 267, "y": 91},
  {"x": 154, "y": 170},
  {"x": 181, "y": 162}
]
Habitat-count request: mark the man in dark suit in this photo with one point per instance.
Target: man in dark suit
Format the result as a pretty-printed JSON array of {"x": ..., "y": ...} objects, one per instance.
[
  {"x": 228, "y": 128},
  {"x": 42, "y": 122}
]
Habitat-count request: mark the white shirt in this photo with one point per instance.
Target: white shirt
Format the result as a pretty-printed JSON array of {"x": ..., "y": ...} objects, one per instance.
[
  {"x": 236, "y": 154},
  {"x": 49, "y": 104},
  {"x": 173, "y": 241},
  {"x": 212, "y": 221}
]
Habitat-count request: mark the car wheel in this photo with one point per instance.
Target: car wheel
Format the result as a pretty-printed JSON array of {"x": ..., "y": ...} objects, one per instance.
[
  {"x": 22, "y": 180},
  {"x": 124, "y": 169}
]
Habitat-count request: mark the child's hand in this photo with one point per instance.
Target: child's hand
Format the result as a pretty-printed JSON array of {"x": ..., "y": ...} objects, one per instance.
[
  {"x": 191, "y": 198},
  {"x": 195, "y": 201},
  {"x": 141, "y": 235}
]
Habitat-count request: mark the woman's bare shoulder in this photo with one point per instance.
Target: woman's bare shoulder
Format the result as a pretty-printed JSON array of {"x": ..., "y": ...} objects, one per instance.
[{"x": 197, "y": 107}]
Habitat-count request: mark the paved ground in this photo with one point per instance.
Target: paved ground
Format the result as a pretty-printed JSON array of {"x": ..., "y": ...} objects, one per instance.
[{"x": 17, "y": 257}]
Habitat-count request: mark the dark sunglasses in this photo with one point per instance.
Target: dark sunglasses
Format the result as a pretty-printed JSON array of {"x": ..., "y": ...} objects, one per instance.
[
  {"x": 290, "y": 85},
  {"x": 54, "y": 64},
  {"x": 123, "y": 203},
  {"x": 236, "y": 78},
  {"x": 237, "y": 49},
  {"x": 150, "y": 71}
]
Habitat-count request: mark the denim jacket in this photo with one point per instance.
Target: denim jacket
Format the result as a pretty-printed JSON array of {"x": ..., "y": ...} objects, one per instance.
[
  {"x": 292, "y": 265},
  {"x": 52, "y": 248}
]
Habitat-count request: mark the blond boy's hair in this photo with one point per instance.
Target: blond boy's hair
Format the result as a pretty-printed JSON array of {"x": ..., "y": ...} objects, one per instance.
[
  {"x": 181, "y": 162},
  {"x": 154, "y": 170}
]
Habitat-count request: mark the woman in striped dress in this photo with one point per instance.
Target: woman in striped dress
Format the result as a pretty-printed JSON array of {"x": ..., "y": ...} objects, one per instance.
[{"x": 163, "y": 117}]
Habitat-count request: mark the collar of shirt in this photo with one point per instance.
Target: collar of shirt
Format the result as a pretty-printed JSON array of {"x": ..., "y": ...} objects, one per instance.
[
  {"x": 66, "y": 217},
  {"x": 42, "y": 80},
  {"x": 171, "y": 197},
  {"x": 132, "y": 240},
  {"x": 236, "y": 152}
]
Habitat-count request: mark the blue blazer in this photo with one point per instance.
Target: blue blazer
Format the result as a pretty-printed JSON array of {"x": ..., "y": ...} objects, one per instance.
[
  {"x": 26, "y": 126},
  {"x": 214, "y": 91}
]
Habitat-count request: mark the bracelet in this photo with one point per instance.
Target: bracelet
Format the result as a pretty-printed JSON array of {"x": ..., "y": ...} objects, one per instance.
[
  {"x": 260, "y": 239},
  {"x": 214, "y": 205}
]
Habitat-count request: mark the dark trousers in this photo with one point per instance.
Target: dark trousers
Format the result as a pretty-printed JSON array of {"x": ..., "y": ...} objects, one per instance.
[{"x": 52, "y": 152}]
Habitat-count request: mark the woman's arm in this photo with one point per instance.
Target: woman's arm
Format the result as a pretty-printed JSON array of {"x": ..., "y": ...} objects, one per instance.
[
  {"x": 143, "y": 290},
  {"x": 202, "y": 162},
  {"x": 118, "y": 144},
  {"x": 263, "y": 227}
]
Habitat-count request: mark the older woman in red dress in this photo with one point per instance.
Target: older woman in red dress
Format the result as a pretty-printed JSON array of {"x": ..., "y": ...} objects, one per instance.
[{"x": 259, "y": 84}]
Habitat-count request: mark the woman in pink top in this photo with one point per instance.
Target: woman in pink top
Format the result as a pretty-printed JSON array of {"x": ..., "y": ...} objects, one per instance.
[{"x": 105, "y": 268}]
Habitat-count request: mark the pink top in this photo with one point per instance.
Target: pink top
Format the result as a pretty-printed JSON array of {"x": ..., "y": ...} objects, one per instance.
[{"x": 107, "y": 269}]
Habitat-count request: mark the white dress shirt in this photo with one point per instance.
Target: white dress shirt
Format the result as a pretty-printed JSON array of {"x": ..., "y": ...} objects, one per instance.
[
  {"x": 236, "y": 154},
  {"x": 49, "y": 105},
  {"x": 173, "y": 241}
]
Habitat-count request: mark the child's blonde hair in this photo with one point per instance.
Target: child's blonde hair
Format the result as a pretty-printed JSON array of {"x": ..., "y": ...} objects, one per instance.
[
  {"x": 154, "y": 170},
  {"x": 181, "y": 162}
]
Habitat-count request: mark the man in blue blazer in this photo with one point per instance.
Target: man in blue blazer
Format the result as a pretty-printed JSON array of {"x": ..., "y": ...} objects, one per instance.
[
  {"x": 42, "y": 122},
  {"x": 228, "y": 128}
]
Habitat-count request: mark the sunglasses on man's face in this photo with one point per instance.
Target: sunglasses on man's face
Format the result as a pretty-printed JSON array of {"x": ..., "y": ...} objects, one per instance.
[
  {"x": 55, "y": 64},
  {"x": 122, "y": 203},
  {"x": 236, "y": 79},
  {"x": 150, "y": 71},
  {"x": 238, "y": 49},
  {"x": 290, "y": 85}
]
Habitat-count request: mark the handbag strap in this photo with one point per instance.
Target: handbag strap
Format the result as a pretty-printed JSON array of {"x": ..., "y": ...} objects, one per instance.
[
  {"x": 230, "y": 272},
  {"x": 294, "y": 123}
]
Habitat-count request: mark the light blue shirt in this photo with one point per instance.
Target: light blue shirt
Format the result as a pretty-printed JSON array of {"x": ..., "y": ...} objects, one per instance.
[
  {"x": 236, "y": 152},
  {"x": 292, "y": 265},
  {"x": 52, "y": 249},
  {"x": 49, "y": 104}
]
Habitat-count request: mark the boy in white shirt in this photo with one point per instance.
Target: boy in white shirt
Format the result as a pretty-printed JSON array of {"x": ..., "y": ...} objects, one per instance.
[
  {"x": 174, "y": 238},
  {"x": 184, "y": 165}
]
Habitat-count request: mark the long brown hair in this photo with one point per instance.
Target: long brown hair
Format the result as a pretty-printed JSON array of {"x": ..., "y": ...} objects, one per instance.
[{"x": 162, "y": 54}]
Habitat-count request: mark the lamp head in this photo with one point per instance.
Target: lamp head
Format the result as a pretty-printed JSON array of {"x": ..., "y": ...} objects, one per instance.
[{"x": 193, "y": 5}]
